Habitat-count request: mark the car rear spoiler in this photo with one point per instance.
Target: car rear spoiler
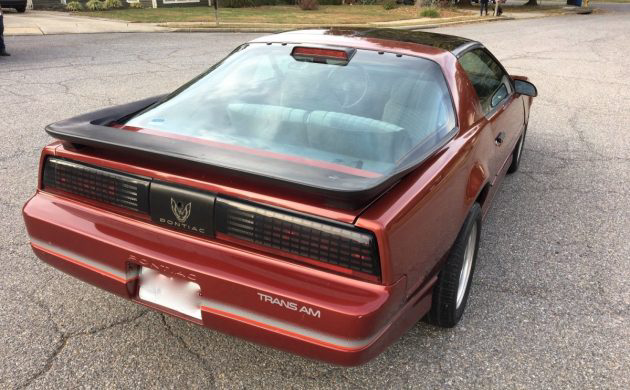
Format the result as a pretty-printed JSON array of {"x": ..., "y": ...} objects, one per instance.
[{"x": 324, "y": 186}]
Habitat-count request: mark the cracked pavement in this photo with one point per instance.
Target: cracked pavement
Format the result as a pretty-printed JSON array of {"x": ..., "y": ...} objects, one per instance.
[{"x": 551, "y": 294}]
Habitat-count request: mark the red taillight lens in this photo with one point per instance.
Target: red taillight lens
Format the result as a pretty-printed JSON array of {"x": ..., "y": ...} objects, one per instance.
[
  {"x": 97, "y": 184},
  {"x": 324, "y": 55},
  {"x": 328, "y": 242},
  {"x": 315, "y": 52}
]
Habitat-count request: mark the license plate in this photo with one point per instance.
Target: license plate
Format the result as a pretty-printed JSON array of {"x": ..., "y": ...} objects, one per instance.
[{"x": 175, "y": 294}]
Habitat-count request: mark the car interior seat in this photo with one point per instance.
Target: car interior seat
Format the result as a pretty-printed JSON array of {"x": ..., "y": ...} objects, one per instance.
[
  {"x": 268, "y": 123},
  {"x": 415, "y": 106},
  {"x": 356, "y": 136}
]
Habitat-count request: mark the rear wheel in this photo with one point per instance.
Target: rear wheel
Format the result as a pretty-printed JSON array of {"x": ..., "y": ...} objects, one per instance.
[
  {"x": 451, "y": 291},
  {"x": 21, "y": 9},
  {"x": 517, "y": 153}
]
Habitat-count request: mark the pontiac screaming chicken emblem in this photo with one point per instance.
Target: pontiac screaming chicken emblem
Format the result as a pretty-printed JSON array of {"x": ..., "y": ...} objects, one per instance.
[{"x": 180, "y": 211}]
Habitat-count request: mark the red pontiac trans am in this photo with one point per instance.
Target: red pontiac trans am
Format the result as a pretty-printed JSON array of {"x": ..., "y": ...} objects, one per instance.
[{"x": 316, "y": 191}]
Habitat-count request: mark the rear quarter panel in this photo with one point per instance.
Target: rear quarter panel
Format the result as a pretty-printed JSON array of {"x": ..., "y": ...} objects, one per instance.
[{"x": 417, "y": 221}]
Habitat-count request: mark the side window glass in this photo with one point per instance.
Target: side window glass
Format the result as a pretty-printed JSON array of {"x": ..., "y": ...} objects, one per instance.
[
  {"x": 499, "y": 95},
  {"x": 490, "y": 82}
]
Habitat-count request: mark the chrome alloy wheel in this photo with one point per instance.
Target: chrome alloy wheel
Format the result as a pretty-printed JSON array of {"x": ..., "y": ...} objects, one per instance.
[{"x": 464, "y": 275}]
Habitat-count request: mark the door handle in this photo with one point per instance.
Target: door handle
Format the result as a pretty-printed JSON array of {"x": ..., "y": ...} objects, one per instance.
[{"x": 499, "y": 140}]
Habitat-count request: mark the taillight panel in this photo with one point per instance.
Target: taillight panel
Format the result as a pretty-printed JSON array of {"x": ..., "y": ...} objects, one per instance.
[
  {"x": 337, "y": 245},
  {"x": 343, "y": 246},
  {"x": 98, "y": 184}
]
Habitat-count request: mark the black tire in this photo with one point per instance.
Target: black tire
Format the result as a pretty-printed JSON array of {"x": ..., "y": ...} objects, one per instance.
[
  {"x": 21, "y": 9},
  {"x": 517, "y": 153},
  {"x": 445, "y": 311}
]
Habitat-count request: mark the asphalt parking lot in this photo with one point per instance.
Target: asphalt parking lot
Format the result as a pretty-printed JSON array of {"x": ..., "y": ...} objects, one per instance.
[{"x": 551, "y": 295}]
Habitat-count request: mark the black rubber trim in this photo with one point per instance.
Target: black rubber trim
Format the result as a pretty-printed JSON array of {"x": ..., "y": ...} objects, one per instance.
[{"x": 465, "y": 48}]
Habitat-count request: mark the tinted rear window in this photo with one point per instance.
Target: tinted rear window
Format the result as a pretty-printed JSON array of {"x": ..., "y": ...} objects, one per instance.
[{"x": 375, "y": 114}]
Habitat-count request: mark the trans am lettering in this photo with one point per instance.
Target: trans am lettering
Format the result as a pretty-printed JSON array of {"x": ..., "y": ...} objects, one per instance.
[{"x": 290, "y": 305}]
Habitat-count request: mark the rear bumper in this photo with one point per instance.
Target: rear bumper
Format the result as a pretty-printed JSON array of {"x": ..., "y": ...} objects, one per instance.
[{"x": 311, "y": 312}]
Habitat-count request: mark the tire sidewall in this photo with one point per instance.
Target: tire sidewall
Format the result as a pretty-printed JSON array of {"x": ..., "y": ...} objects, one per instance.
[
  {"x": 474, "y": 219},
  {"x": 444, "y": 310},
  {"x": 517, "y": 153},
  {"x": 520, "y": 147}
]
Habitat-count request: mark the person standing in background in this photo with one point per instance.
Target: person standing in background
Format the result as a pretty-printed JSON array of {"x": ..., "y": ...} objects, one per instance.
[
  {"x": 3, "y": 49},
  {"x": 483, "y": 4}
]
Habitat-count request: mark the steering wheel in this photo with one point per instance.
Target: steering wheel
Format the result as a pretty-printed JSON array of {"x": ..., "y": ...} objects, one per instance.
[{"x": 349, "y": 85}]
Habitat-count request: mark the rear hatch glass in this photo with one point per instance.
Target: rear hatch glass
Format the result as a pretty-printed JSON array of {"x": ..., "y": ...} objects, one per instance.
[{"x": 366, "y": 118}]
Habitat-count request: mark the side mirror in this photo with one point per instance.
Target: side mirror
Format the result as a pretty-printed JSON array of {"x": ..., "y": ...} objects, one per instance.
[{"x": 525, "y": 88}]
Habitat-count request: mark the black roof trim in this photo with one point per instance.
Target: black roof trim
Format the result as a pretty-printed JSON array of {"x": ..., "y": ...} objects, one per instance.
[
  {"x": 460, "y": 51},
  {"x": 449, "y": 43},
  {"x": 439, "y": 41}
]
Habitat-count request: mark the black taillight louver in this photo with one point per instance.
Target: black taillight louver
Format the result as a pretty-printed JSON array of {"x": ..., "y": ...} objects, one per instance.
[
  {"x": 331, "y": 243},
  {"x": 101, "y": 185}
]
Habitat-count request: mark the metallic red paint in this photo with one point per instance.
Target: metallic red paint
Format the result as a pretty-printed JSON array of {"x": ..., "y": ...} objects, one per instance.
[
  {"x": 104, "y": 249},
  {"x": 415, "y": 224}
]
